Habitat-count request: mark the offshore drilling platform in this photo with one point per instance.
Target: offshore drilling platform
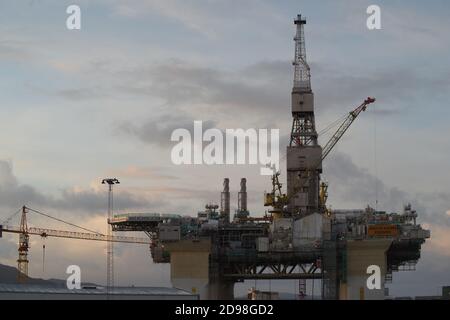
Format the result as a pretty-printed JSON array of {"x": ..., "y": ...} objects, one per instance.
[{"x": 299, "y": 238}]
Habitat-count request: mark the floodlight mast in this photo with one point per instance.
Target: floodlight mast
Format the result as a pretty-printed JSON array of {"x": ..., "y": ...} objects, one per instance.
[{"x": 110, "y": 249}]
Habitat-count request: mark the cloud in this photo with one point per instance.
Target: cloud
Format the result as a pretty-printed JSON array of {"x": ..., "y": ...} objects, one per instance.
[
  {"x": 13, "y": 50},
  {"x": 80, "y": 94},
  {"x": 258, "y": 92},
  {"x": 261, "y": 91},
  {"x": 206, "y": 18},
  {"x": 189, "y": 14},
  {"x": 353, "y": 184},
  {"x": 356, "y": 186},
  {"x": 84, "y": 201},
  {"x": 397, "y": 89},
  {"x": 136, "y": 172},
  {"x": 158, "y": 130},
  {"x": 406, "y": 33},
  {"x": 440, "y": 239},
  {"x": 13, "y": 194},
  {"x": 181, "y": 83}
]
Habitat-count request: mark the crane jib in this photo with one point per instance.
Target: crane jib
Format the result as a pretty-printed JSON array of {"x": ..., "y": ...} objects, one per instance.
[
  {"x": 334, "y": 139},
  {"x": 75, "y": 235}
]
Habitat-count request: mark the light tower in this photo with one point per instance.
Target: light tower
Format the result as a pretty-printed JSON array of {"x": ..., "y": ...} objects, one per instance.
[
  {"x": 110, "y": 251},
  {"x": 303, "y": 152}
]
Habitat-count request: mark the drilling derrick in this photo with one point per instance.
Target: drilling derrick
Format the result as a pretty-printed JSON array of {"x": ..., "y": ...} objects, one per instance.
[{"x": 304, "y": 155}]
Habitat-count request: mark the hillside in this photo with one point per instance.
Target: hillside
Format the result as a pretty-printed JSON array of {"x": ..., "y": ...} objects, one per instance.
[{"x": 8, "y": 275}]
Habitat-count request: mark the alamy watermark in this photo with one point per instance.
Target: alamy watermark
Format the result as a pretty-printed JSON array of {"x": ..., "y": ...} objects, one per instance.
[
  {"x": 73, "y": 21},
  {"x": 234, "y": 146},
  {"x": 374, "y": 280},
  {"x": 74, "y": 278},
  {"x": 374, "y": 20}
]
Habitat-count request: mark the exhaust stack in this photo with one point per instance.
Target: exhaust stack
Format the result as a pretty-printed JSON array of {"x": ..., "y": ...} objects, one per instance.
[
  {"x": 242, "y": 196},
  {"x": 225, "y": 201}
]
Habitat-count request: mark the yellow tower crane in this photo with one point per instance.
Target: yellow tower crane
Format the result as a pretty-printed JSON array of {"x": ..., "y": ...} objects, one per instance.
[{"x": 24, "y": 234}]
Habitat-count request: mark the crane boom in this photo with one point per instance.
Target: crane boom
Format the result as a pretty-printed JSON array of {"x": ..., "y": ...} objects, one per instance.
[
  {"x": 334, "y": 139},
  {"x": 279, "y": 201},
  {"x": 75, "y": 235},
  {"x": 344, "y": 126}
]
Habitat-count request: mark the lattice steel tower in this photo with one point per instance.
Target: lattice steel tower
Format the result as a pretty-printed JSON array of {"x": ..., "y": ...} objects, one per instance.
[
  {"x": 110, "y": 249},
  {"x": 22, "y": 262},
  {"x": 303, "y": 153}
]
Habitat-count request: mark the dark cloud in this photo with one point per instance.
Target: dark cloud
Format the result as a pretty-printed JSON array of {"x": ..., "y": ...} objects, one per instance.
[
  {"x": 258, "y": 87},
  {"x": 158, "y": 130},
  {"x": 93, "y": 201},
  {"x": 14, "y": 50},
  {"x": 355, "y": 185},
  {"x": 13, "y": 195},
  {"x": 263, "y": 89},
  {"x": 258, "y": 92},
  {"x": 339, "y": 88},
  {"x": 275, "y": 72},
  {"x": 81, "y": 94}
]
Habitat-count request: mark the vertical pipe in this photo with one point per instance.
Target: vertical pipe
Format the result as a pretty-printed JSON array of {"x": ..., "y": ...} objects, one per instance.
[
  {"x": 242, "y": 196},
  {"x": 225, "y": 201}
]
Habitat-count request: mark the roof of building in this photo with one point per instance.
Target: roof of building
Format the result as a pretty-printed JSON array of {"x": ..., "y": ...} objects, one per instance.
[{"x": 43, "y": 289}]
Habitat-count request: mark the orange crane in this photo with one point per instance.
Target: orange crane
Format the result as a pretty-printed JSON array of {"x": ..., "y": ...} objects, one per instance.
[{"x": 24, "y": 234}]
